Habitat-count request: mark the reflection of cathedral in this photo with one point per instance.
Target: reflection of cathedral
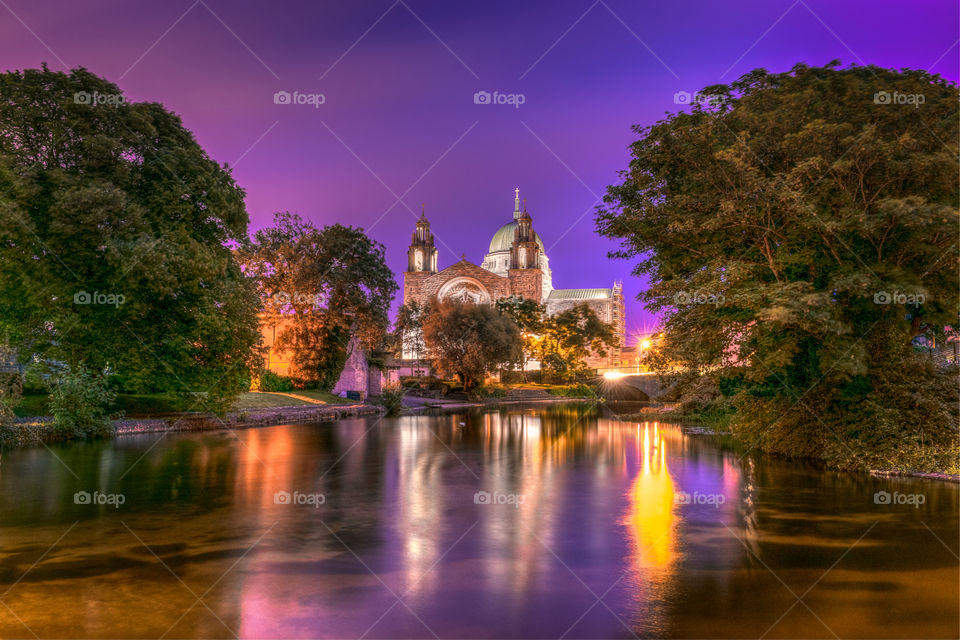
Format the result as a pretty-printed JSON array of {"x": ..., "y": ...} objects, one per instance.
[{"x": 516, "y": 265}]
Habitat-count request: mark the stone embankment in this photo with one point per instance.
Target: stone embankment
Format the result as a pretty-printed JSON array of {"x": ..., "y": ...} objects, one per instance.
[{"x": 246, "y": 418}]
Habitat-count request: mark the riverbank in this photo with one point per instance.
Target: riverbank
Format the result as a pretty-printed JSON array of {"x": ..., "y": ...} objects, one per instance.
[
  {"x": 246, "y": 418},
  {"x": 416, "y": 405},
  {"x": 719, "y": 424},
  {"x": 27, "y": 432},
  {"x": 30, "y": 431}
]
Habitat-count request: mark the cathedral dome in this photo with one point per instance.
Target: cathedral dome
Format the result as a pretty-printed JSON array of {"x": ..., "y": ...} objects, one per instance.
[{"x": 503, "y": 238}]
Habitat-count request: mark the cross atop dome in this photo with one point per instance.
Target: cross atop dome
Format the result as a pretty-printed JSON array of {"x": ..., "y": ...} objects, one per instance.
[{"x": 516, "y": 203}]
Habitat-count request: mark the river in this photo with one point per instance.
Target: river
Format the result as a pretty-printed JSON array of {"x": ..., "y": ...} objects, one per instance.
[{"x": 549, "y": 522}]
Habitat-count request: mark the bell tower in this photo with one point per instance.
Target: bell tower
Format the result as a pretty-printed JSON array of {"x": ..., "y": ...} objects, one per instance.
[
  {"x": 526, "y": 275},
  {"x": 421, "y": 260},
  {"x": 525, "y": 252},
  {"x": 422, "y": 255}
]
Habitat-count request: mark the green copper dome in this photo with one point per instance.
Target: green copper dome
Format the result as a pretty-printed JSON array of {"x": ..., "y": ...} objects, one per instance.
[{"x": 503, "y": 238}]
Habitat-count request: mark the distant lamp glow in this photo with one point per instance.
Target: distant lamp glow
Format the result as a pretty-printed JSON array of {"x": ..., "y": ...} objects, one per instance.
[
  {"x": 645, "y": 344},
  {"x": 613, "y": 375}
]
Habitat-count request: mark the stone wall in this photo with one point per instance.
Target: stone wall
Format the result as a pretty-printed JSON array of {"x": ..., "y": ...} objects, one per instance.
[
  {"x": 413, "y": 283},
  {"x": 497, "y": 286},
  {"x": 527, "y": 283},
  {"x": 602, "y": 307},
  {"x": 354, "y": 376},
  {"x": 424, "y": 287}
]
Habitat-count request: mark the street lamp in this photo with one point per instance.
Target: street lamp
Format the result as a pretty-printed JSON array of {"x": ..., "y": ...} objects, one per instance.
[{"x": 644, "y": 345}]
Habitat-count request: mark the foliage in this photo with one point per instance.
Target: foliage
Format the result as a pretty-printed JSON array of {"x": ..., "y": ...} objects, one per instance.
[
  {"x": 11, "y": 389},
  {"x": 490, "y": 391},
  {"x": 566, "y": 339},
  {"x": 391, "y": 399},
  {"x": 529, "y": 317},
  {"x": 270, "y": 381},
  {"x": 408, "y": 330},
  {"x": 115, "y": 225},
  {"x": 469, "y": 341},
  {"x": 576, "y": 390},
  {"x": 320, "y": 287},
  {"x": 798, "y": 231},
  {"x": 426, "y": 382},
  {"x": 79, "y": 402}
]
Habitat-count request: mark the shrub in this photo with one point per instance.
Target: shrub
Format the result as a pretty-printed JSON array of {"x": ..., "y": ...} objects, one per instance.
[
  {"x": 425, "y": 382},
  {"x": 576, "y": 390},
  {"x": 270, "y": 381},
  {"x": 391, "y": 398},
  {"x": 11, "y": 393},
  {"x": 78, "y": 403}
]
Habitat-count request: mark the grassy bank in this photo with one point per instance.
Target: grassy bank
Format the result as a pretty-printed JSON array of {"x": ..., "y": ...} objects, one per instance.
[
  {"x": 160, "y": 404},
  {"x": 894, "y": 451},
  {"x": 576, "y": 390}
]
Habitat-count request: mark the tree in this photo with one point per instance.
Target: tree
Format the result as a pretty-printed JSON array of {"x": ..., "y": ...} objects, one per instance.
[
  {"x": 566, "y": 339},
  {"x": 799, "y": 229},
  {"x": 469, "y": 341},
  {"x": 528, "y": 316},
  {"x": 324, "y": 287},
  {"x": 115, "y": 226},
  {"x": 78, "y": 402},
  {"x": 408, "y": 331}
]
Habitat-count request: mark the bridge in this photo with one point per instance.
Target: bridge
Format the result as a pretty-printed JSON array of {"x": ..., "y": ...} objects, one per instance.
[{"x": 630, "y": 386}]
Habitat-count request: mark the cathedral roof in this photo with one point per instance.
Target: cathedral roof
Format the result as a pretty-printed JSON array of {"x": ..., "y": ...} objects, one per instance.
[
  {"x": 503, "y": 238},
  {"x": 580, "y": 294}
]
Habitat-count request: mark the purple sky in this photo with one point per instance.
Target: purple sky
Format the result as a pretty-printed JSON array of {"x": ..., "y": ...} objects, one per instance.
[{"x": 399, "y": 117}]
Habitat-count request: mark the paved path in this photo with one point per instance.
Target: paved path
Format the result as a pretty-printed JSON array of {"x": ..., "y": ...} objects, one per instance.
[{"x": 295, "y": 396}]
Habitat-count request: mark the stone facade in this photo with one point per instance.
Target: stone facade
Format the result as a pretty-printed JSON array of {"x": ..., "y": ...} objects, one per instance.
[
  {"x": 516, "y": 265},
  {"x": 526, "y": 283},
  {"x": 358, "y": 375}
]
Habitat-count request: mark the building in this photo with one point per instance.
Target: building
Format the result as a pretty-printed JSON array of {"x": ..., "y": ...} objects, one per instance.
[{"x": 516, "y": 264}]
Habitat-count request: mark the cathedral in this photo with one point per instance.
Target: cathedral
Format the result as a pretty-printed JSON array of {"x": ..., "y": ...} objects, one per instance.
[{"x": 515, "y": 265}]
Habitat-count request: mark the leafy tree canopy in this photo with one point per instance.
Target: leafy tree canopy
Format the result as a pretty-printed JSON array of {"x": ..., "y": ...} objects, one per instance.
[
  {"x": 321, "y": 287},
  {"x": 407, "y": 335},
  {"x": 115, "y": 226},
  {"x": 469, "y": 341},
  {"x": 568, "y": 338},
  {"x": 803, "y": 226},
  {"x": 528, "y": 316}
]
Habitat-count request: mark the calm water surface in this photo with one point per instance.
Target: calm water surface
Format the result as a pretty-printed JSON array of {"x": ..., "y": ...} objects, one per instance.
[{"x": 544, "y": 523}]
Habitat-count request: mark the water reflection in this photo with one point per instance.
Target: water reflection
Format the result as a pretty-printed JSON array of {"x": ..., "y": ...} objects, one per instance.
[{"x": 401, "y": 547}]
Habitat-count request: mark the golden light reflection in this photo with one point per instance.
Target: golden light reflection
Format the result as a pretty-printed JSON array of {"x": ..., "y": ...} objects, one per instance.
[{"x": 651, "y": 515}]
